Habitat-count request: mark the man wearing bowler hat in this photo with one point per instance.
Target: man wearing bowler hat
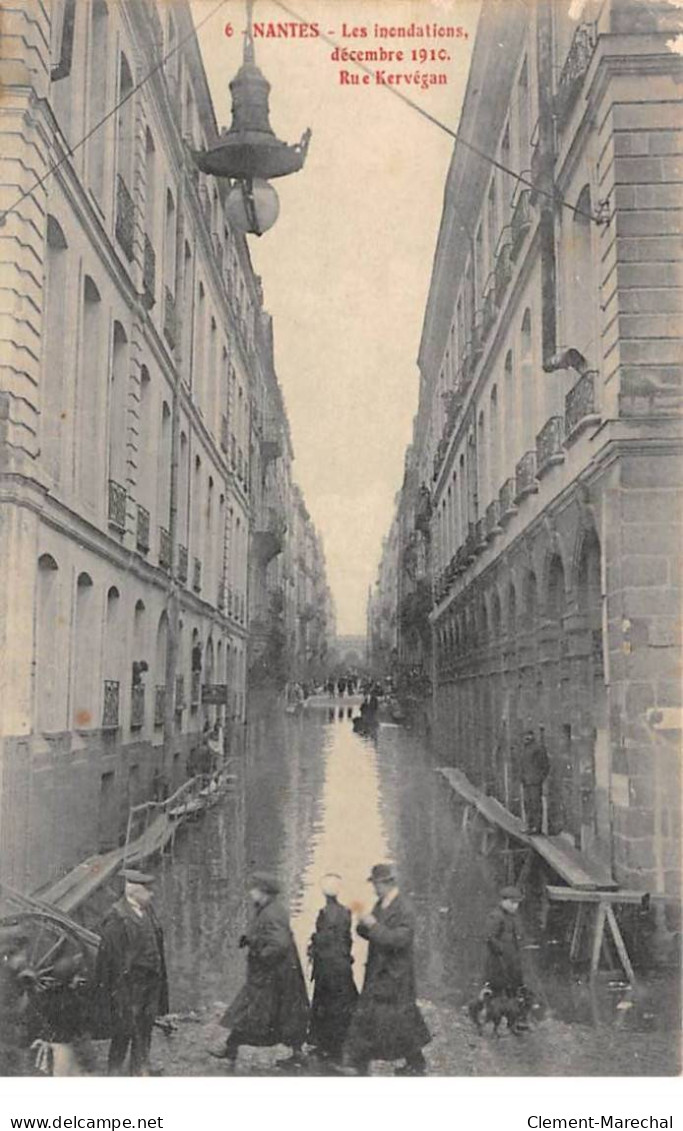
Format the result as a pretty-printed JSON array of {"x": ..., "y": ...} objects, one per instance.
[
  {"x": 387, "y": 1024},
  {"x": 130, "y": 977},
  {"x": 272, "y": 1007}
]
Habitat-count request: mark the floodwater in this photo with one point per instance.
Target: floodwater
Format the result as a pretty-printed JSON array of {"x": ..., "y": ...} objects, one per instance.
[{"x": 313, "y": 796}]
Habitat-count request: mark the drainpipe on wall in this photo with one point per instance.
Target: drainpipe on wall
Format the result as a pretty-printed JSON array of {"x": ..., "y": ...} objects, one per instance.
[{"x": 545, "y": 181}]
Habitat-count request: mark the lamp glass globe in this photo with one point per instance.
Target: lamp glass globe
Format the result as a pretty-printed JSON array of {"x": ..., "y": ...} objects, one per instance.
[{"x": 252, "y": 207}]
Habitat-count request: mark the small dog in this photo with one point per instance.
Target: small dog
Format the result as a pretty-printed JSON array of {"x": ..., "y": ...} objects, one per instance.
[{"x": 490, "y": 1007}]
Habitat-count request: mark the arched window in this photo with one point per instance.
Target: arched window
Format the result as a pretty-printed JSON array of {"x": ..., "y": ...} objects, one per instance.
[
  {"x": 197, "y": 510},
  {"x": 494, "y": 444},
  {"x": 509, "y": 393},
  {"x": 588, "y": 581},
  {"x": 492, "y": 218},
  {"x": 183, "y": 486},
  {"x": 160, "y": 654},
  {"x": 462, "y": 473},
  {"x": 126, "y": 125},
  {"x": 54, "y": 355},
  {"x": 211, "y": 377},
  {"x": 482, "y": 452},
  {"x": 118, "y": 406},
  {"x": 529, "y": 422},
  {"x": 86, "y": 649},
  {"x": 169, "y": 243},
  {"x": 530, "y": 600},
  {"x": 582, "y": 297},
  {"x": 65, "y": 71},
  {"x": 164, "y": 467},
  {"x": 49, "y": 651},
  {"x": 111, "y": 661},
  {"x": 91, "y": 392},
  {"x": 186, "y": 323},
  {"x": 555, "y": 596},
  {"x": 495, "y": 615},
  {"x": 199, "y": 347},
  {"x": 149, "y": 274},
  {"x": 146, "y": 472},
  {"x": 98, "y": 96},
  {"x": 511, "y": 611},
  {"x": 525, "y": 336},
  {"x": 523, "y": 117}
]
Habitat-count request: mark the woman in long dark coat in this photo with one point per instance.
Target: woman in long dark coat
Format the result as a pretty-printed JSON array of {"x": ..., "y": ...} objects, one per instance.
[
  {"x": 272, "y": 1007},
  {"x": 335, "y": 993}
]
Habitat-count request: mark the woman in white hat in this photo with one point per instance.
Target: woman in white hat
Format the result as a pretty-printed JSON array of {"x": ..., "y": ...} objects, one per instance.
[{"x": 335, "y": 993}]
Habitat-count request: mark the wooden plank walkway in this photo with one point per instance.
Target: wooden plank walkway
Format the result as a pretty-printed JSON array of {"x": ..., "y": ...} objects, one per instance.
[{"x": 572, "y": 866}]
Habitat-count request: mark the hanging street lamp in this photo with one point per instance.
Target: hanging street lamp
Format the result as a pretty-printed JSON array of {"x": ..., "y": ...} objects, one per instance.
[{"x": 249, "y": 153}]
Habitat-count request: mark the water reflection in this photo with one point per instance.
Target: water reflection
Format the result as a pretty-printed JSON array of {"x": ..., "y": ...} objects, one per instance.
[{"x": 318, "y": 797}]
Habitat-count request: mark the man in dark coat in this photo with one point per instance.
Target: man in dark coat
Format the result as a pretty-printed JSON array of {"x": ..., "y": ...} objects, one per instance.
[
  {"x": 387, "y": 1024},
  {"x": 535, "y": 768},
  {"x": 503, "y": 966},
  {"x": 130, "y": 977},
  {"x": 272, "y": 1007},
  {"x": 335, "y": 993}
]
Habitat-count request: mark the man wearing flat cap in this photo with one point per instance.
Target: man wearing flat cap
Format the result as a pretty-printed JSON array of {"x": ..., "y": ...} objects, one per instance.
[
  {"x": 272, "y": 1007},
  {"x": 387, "y": 1024},
  {"x": 130, "y": 976},
  {"x": 503, "y": 967}
]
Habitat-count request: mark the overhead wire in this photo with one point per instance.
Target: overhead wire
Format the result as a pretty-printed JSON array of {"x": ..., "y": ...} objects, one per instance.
[
  {"x": 455, "y": 134},
  {"x": 71, "y": 149}
]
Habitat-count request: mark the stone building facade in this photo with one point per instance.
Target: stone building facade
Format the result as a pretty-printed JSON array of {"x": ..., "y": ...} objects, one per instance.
[
  {"x": 383, "y": 607},
  {"x": 548, "y": 432},
  {"x": 136, "y": 382}
]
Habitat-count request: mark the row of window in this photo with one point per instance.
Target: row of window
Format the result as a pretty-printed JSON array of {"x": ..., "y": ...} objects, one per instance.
[
  {"x": 462, "y": 630},
  {"x": 111, "y": 175},
  {"x": 115, "y": 673}
]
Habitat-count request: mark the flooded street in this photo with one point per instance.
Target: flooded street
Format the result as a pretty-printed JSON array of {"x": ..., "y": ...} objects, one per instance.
[{"x": 318, "y": 797}]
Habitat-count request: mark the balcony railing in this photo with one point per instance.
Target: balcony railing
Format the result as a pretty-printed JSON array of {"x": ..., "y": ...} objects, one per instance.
[
  {"x": 137, "y": 707},
  {"x": 271, "y": 442},
  {"x": 521, "y": 222},
  {"x": 159, "y": 705},
  {"x": 142, "y": 530},
  {"x": 525, "y": 476},
  {"x": 269, "y": 536},
  {"x": 493, "y": 519},
  {"x": 506, "y": 498},
  {"x": 125, "y": 217},
  {"x": 110, "y": 705},
  {"x": 575, "y": 66},
  {"x": 196, "y": 575},
  {"x": 170, "y": 319},
  {"x": 196, "y": 689},
  {"x": 164, "y": 548},
  {"x": 182, "y": 564},
  {"x": 117, "y": 505},
  {"x": 549, "y": 450},
  {"x": 149, "y": 274},
  {"x": 580, "y": 407},
  {"x": 180, "y": 703}
]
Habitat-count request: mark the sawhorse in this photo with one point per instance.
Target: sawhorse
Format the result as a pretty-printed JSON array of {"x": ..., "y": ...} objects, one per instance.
[{"x": 602, "y": 902}]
